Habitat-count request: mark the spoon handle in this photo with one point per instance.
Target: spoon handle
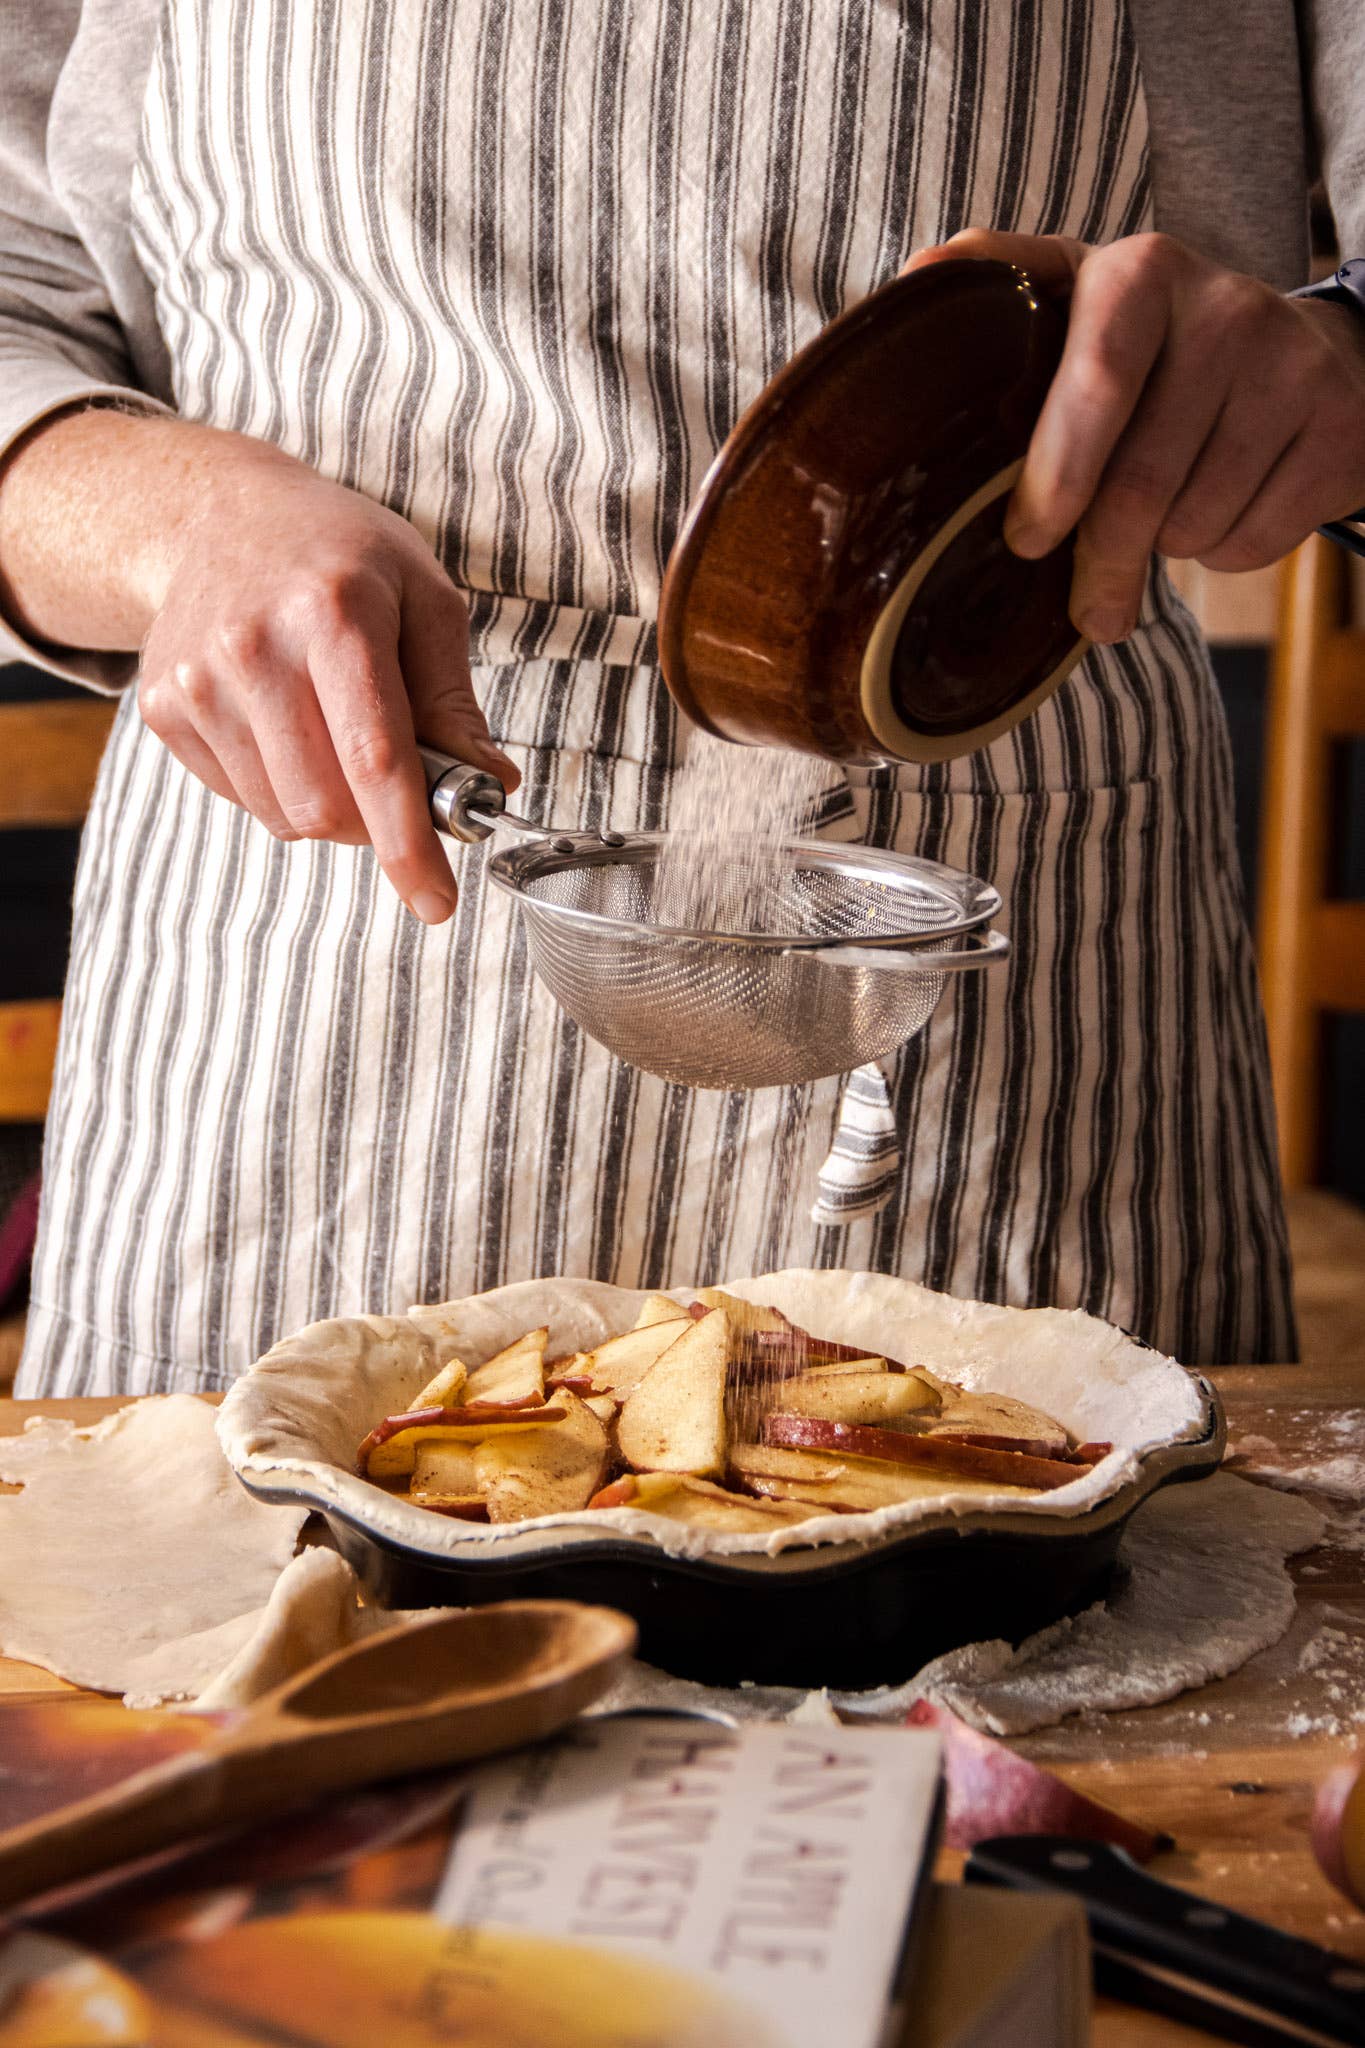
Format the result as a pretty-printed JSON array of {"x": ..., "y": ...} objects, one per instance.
[
  {"x": 173, "y": 1800},
  {"x": 447, "y": 1688}
]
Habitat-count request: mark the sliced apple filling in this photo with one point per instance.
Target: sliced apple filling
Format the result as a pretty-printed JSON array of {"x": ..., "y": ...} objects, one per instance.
[{"x": 721, "y": 1415}]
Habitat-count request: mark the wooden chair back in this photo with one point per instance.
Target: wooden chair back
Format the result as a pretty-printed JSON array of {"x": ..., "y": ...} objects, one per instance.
[
  {"x": 1311, "y": 942},
  {"x": 49, "y": 753}
]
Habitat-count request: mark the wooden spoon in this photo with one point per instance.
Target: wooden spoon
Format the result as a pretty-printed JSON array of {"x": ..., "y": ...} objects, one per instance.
[{"x": 444, "y": 1689}]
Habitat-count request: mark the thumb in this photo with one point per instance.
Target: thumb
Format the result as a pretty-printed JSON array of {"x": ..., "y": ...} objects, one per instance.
[{"x": 433, "y": 647}]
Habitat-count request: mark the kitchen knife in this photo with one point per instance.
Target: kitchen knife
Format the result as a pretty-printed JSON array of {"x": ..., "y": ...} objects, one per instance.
[{"x": 1174, "y": 1952}]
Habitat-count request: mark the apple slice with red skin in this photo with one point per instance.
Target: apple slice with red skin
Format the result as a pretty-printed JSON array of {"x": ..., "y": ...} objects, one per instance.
[
  {"x": 752, "y": 1362},
  {"x": 970, "y": 1412},
  {"x": 813, "y": 1433},
  {"x": 515, "y": 1377},
  {"x": 445, "y": 1465},
  {"x": 983, "y": 1440},
  {"x": 619, "y": 1494},
  {"x": 1084, "y": 1454},
  {"x": 747, "y": 1318},
  {"x": 618, "y": 1366},
  {"x": 991, "y": 1791},
  {"x": 809, "y": 1351},
  {"x": 396, "y": 1438}
]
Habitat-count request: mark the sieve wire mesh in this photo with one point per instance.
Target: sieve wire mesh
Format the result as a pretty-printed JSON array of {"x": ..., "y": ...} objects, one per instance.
[{"x": 757, "y": 1008}]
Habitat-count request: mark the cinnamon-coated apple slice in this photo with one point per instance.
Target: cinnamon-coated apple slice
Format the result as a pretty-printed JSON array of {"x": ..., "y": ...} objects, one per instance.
[
  {"x": 444, "y": 1465},
  {"x": 515, "y": 1378},
  {"x": 543, "y": 1472},
  {"x": 659, "y": 1308},
  {"x": 390, "y": 1449},
  {"x": 674, "y": 1421},
  {"x": 447, "y": 1389},
  {"x": 848, "y": 1485},
  {"x": 697, "y": 1502},
  {"x": 747, "y": 1318},
  {"x": 618, "y": 1366},
  {"x": 814, "y": 1433},
  {"x": 861, "y": 1397}
]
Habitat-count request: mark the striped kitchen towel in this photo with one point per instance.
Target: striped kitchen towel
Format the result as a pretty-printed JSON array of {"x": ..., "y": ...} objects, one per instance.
[{"x": 859, "y": 1175}]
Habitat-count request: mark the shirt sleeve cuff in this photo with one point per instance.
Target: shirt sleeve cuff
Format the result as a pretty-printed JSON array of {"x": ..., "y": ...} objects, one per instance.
[{"x": 44, "y": 389}]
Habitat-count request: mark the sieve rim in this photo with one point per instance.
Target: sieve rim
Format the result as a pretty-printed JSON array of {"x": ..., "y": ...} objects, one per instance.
[{"x": 514, "y": 868}]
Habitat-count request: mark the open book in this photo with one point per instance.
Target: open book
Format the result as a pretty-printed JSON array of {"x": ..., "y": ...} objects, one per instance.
[{"x": 641, "y": 1882}]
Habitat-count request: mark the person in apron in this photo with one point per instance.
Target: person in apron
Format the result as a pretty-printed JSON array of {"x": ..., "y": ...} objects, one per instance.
[{"x": 511, "y": 272}]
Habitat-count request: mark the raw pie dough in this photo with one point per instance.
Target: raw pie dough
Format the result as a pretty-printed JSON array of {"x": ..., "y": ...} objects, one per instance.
[{"x": 132, "y": 1561}]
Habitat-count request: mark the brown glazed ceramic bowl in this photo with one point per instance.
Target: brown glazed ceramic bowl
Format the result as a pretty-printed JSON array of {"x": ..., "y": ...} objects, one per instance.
[{"x": 842, "y": 585}]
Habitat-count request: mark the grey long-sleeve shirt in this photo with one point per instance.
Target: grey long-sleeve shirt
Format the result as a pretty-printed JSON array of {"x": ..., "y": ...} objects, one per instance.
[{"x": 1242, "y": 96}]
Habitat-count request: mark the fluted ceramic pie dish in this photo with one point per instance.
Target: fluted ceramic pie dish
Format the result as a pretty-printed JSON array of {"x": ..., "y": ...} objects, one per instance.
[{"x": 842, "y": 1600}]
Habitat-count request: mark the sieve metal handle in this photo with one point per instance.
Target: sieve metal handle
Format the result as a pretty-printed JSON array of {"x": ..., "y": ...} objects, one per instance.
[
  {"x": 975, "y": 949},
  {"x": 457, "y": 793},
  {"x": 466, "y": 803}
]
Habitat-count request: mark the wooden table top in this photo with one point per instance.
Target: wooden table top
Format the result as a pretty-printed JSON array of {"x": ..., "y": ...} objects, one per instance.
[{"x": 1229, "y": 1771}]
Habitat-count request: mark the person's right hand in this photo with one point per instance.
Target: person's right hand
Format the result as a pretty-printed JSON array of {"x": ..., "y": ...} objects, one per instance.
[{"x": 303, "y": 636}]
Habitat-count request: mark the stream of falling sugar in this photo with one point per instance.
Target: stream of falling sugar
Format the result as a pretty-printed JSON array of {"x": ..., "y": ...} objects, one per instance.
[{"x": 731, "y": 811}]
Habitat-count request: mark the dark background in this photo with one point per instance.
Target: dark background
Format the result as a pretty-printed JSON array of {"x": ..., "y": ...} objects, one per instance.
[{"x": 37, "y": 869}]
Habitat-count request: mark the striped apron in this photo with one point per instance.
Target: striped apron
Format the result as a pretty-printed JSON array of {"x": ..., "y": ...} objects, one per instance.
[{"x": 513, "y": 267}]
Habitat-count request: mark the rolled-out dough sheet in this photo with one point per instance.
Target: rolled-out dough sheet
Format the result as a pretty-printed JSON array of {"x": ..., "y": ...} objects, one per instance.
[{"x": 132, "y": 1561}]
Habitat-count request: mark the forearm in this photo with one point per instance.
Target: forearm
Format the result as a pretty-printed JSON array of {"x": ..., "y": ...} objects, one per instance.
[{"x": 97, "y": 508}]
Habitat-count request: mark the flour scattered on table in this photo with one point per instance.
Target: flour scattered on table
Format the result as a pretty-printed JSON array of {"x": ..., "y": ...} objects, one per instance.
[
  {"x": 1204, "y": 1589},
  {"x": 145, "y": 1565},
  {"x": 1328, "y": 1472}
]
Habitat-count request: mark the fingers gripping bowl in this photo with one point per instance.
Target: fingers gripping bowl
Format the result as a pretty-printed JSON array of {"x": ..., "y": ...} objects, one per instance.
[{"x": 833, "y": 1598}]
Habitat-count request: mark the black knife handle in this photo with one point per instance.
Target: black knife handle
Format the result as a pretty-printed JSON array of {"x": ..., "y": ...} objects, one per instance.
[{"x": 1138, "y": 1918}]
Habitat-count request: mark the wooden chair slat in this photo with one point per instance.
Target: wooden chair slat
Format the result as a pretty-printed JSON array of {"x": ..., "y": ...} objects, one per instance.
[
  {"x": 50, "y": 753},
  {"x": 1312, "y": 949},
  {"x": 1339, "y": 956},
  {"x": 28, "y": 1050},
  {"x": 1341, "y": 686}
]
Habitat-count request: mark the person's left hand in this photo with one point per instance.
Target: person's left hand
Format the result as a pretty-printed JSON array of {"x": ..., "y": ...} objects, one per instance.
[{"x": 1195, "y": 411}]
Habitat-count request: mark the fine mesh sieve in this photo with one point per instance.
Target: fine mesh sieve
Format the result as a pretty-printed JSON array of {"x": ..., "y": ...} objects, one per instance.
[{"x": 845, "y": 954}]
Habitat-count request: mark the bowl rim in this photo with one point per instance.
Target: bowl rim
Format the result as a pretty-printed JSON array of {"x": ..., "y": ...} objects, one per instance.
[
  {"x": 978, "y": 900},
  {"x": 1186, "y": 1460}
]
